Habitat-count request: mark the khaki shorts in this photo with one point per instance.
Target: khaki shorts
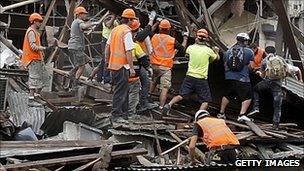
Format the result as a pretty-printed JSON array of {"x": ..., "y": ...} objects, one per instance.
[
  {"x": 35, "y": 70},
  {"x": 162, "y": 75}
]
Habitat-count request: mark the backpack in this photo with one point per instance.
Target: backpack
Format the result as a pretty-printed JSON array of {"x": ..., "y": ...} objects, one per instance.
[
  {"x": 275, "y": 67},
  {"x": 235, "y": 60}
]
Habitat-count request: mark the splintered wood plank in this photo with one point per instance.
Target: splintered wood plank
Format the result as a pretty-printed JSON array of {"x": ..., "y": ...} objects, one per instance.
[
  {"x": 263, "y": 151},
  {"x": 244, "y": 135},
  {"x": 257, "y": 130}
]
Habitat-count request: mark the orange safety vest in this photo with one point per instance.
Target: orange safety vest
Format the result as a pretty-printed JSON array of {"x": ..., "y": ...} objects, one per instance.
[
  {"x": 216, "y": 132},
  {"x": 28, "y": 53},
  {"x": 118, "y": 56},
  {"x": 164, "y": 50},
  {"x": 133, "y": 79},
  {"x": 257, "y": 62}
]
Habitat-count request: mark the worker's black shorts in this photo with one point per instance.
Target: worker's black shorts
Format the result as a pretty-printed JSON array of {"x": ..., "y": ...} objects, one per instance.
[
  {"x": 227, "y": 156},
  {"x": 238, "y": 89},
  {"x": 198, "y": 86}
]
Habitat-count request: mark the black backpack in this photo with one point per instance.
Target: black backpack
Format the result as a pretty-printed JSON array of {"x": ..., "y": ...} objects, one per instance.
[{"x": 235, "y": 60}]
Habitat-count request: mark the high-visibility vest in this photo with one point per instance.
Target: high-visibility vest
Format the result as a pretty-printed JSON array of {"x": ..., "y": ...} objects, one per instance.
[
  {"x": 216, "y": 132},
  {"x": 133, "y": 79},
  {"x": 28, "y": 53},
  {"x": 164, "y": 51},
  {"x": 257, "y": 62},
  {"x": 118, "y": 56},
  {"x": 143, "y": 46}
]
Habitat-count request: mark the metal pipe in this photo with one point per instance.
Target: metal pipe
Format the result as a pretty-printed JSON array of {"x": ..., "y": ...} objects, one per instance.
[{"x": 2, "y": 9}]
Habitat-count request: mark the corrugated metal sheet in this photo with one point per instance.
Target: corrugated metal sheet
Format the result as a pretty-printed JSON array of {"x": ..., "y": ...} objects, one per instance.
[
  {"x": 20, "y": 111},
  {"x": 294, "y": 86}
]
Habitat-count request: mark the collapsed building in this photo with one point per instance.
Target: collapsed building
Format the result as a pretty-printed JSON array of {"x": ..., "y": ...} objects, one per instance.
[{"x": 72, "y": 130}]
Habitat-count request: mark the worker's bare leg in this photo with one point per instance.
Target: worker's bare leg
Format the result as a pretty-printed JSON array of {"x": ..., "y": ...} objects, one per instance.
[
  {"x": 175, "y": 100},
  {"x": 163, "y": 97},
  {"x": 245, "y": 105},
  {"x": 224, "y": 104},
  {"x": 152, "y": 87},
  {"x": 204, "y": 106}
]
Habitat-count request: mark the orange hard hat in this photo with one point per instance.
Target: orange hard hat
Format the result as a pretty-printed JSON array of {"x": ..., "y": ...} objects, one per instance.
[
  {"x": 135, "y": 24},
  {"x": 202, "y": 33},
  {"x": 35, "y": 17},
  {"x": 80, "y": 10},
  {"x": 128, "y": 13},
  {"x": 164, "y": 24}
]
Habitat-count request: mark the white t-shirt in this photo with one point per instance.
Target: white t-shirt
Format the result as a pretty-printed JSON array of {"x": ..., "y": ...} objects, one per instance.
[{"x": 292, "y": 68}]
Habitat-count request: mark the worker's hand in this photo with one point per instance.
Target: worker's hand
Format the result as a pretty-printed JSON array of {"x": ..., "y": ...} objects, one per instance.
[
  {"x": 186, "y": 33},
  {"x": 159, "y": 19},
  {"x": 259, "y": 73},
  {"x": 216, "y": 49},
  {"x": 132, "y": 72},
  {"x": 94, "y": 23},
  {"x": 152, "y": 15}
]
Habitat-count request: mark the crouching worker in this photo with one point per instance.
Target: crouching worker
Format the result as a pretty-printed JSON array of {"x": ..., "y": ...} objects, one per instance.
[
  {"x": 140, "y": 59},
  {"x": 217, "y": 136}
]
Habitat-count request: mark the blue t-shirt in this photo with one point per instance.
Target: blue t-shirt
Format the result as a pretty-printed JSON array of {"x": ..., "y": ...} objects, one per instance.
[{"x": 243, "y": 75}]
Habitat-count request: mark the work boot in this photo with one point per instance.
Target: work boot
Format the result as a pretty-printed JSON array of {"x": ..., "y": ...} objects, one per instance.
[
  {"x": 243, "y": 118},
  {"x": 221, "y": 116},
  {"x": 166, "y": 109},
  {"x": 253, "y": 112}
]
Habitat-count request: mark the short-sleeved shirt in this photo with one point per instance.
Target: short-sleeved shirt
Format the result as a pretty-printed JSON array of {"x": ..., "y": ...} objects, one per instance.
[
  {"x": 107, "y": 30},
  {"x": 242, "y": 75},
  {"x": 197, "y": 130},
  {"x": 199, "y": 58},
  {"x": 76, "y": 40}
]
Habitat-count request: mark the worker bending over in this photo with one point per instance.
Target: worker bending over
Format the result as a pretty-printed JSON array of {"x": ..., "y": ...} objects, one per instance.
[
  {"x": 164, "y": 47},
  {"x": 200, "y": 55},
  {"x": 217, "y": 136}
]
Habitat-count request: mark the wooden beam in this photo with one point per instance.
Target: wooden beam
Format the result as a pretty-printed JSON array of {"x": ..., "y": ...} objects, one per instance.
[
  {"x": 206, "y": 15},
  {"x": 257, "y": 130},
  {"x": 215, "y": 6},
  {"x": 16, "y": 5},
  {"x": 47, "y": 15},
  {"x": 176, "y": 146},
  {"x": 63, "y": 37}
]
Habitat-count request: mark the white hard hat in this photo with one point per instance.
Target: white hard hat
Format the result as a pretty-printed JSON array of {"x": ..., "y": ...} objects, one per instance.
[
  {"x": 243, "y": 35},
  {"x": 201, "y": 113}
]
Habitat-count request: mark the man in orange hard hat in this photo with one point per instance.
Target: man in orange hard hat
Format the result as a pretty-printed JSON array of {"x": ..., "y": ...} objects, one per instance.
[
  {"x": 32, "y": 58},
  {"x": 164, "y": 47},
  {"x": 217, "y": 136},
  {"x": 200, "y": 55},
  {"x": 118, "y": 53},
  {"x": 76, "y": 44}
]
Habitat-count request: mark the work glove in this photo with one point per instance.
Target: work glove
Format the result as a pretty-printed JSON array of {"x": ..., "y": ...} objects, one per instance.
[
  {"x": 186, "y": 33},
  {"x": 152, "y": 15},
  {"x": 95, "y": 23},
  {"x": 159, "y": 19},
  {"x": 216, "y": 49}
]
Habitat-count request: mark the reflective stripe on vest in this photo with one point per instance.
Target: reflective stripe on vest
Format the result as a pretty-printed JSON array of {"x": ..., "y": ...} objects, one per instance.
[
  {"x": 216, "y": 132},
  {"x": 118, "y": 56},
  {"x": 28, "y": 53},
  {"x": 164, "y": 51}
]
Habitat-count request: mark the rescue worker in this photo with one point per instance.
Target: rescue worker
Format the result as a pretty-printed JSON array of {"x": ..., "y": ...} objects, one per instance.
[
  {"x": 118, "y": 53},
  {"x": 259, "y": 55},
  {"x": 217, "y": 136},
  {"x": 76, "y": 43},
  {"x": 32, "y": 58},
  {"x": 103, "y": 74},
  {"x": 200, "y": 55},
  {"x": 140, "y": 61},
  {"x": 164, "y": 47},
  {"x": 237, "y": 81},
  {"x": 142, "y": 37}
]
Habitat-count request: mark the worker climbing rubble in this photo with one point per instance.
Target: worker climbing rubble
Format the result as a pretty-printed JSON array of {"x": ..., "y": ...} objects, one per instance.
[
  {"x": 76, "y": 44},
  {"x": 164, "y": 47},
  {"x": 236, "y": 61},
  {"x": 33, "y": 58},
  {"x": 200, "y": 55},
  {"x": 118, "y": 53},
  {"x": 216, "y": 135},
  {"x": 273, "y": 70}
]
